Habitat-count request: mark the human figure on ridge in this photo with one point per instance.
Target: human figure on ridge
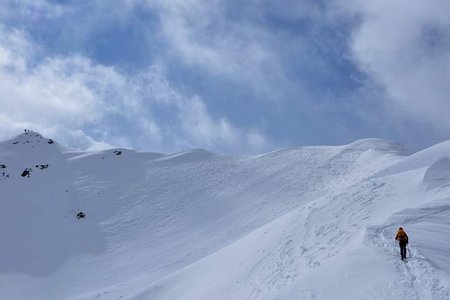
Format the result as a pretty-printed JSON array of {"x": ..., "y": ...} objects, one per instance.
[{"x": 402, "y": 239}]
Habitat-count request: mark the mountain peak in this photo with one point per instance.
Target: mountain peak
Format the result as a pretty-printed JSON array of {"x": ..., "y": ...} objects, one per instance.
[
  {"x": 30, "y": 141},
  {"x": 30, "y": 136}
]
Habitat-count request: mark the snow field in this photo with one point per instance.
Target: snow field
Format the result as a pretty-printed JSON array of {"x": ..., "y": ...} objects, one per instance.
[{"x": 302, "y": 223}]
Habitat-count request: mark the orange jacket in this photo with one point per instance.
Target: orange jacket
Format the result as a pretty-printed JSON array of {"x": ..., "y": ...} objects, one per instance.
[{"x": 401, "y": 236}]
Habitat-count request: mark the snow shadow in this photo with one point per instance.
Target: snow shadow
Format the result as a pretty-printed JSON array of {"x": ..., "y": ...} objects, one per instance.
[{"x": 40, "y": 236}]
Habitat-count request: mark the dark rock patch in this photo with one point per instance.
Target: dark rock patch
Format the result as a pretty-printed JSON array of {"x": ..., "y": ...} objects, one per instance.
[
  {"x": 50, "y": 141},
  {"x": 26, "y": 173},
  {"x": 42, "y": 167},
  {"x": 81, "y": 215}
]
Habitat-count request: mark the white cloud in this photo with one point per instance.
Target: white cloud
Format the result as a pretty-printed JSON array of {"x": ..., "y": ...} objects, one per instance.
[
  {"x": 73, "y": 99},
  {"x": 203, "y": 35},
  {"x": 200, "y": 126},
  {"x": 405, "y": 47},
  {"x": 66, "y": 90},
  {"x": 76, "y": 138},
  {"x": 190, "y": 124}
]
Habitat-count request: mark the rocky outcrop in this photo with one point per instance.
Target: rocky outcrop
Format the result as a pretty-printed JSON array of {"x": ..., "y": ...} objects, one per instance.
[
  {"x": 42, "y": 167},
  {"x": 81, "y": 215},
  {"x": 26, "y": 172}
]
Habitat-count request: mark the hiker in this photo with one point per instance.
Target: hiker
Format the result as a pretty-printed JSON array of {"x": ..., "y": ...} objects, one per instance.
[{"x": 402, "y": 239}]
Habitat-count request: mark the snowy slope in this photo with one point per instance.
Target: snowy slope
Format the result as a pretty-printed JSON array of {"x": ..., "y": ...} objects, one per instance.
[{"x": 301, "y": 223}]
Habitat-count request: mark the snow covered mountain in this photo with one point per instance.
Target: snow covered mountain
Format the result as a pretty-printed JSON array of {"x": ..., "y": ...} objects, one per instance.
[{"x": 301, "y": 223}]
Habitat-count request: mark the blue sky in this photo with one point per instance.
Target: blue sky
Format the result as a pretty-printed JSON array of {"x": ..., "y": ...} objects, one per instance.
[{"x": 227, "y": 76}]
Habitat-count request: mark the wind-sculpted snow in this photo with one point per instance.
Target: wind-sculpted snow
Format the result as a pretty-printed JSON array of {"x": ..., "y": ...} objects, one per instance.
[
  {"x": 438, "y": 174},
  {"x": 418, "y": 160},
  {"x": 301, "y": 223}
]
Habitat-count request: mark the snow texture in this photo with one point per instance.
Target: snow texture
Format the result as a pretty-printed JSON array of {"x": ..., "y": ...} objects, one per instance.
[{"x": 301, "y": 223}]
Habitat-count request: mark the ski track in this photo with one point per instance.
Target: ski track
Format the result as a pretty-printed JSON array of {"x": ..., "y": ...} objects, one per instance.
[{"x": 418, "y": 279}]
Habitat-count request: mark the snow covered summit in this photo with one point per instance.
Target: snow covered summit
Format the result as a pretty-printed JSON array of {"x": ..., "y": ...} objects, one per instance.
[{"x": 300, "y": 223}]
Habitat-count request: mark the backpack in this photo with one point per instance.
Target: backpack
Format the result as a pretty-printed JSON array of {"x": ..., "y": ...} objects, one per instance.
[{"x": 401, "y": 236}]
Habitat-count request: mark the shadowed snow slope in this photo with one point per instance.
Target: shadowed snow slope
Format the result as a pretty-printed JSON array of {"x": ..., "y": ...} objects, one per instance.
[{"x": 301, "y": 223}]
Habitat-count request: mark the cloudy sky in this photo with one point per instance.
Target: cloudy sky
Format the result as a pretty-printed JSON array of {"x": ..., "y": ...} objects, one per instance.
[{"x": 227, "y": 76}]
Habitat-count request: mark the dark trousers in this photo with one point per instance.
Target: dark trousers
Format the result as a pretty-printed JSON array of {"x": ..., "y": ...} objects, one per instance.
[{"x": 403, "y": 249}]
